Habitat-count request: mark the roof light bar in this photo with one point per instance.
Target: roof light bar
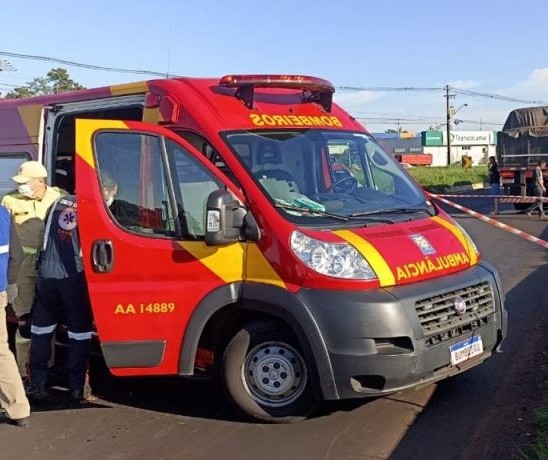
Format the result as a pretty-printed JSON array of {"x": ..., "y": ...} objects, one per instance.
[
  {"x": 278, "y": 81},
  {"x": 322, "y": 89}
]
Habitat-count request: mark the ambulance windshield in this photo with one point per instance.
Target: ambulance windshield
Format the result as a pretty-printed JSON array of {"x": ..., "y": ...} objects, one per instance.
[{"x": 344, "y": 174}]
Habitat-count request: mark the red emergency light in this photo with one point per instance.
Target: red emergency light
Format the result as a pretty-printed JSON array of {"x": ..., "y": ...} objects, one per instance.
[{"x": 316, "y": 89}]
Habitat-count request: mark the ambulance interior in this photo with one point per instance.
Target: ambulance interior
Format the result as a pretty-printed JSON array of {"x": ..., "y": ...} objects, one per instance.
[{"x": 331, "y": 172}]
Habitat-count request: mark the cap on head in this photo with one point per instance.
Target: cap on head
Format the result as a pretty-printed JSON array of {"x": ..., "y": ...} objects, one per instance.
[{"x": 30, "y": 170}]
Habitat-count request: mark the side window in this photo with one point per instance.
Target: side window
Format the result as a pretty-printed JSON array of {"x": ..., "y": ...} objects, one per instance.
[
  {"x": 383, "y": 177},
  {"x": 384, "y": 182},
  {"x": 8, "y": 168},
  {"x": 193, "y": 184},
  {"x": 203, "y": 145},
  {"x": 134, "y": 183}
]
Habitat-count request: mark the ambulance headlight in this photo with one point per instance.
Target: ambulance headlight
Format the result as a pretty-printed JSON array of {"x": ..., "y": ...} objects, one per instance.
[
  {"x": 468, "y": 239},
  {"x": 340, "y": 260}
]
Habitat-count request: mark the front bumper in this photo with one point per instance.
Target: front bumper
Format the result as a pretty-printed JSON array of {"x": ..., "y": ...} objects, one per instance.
[{"x": 382, "y": 341}]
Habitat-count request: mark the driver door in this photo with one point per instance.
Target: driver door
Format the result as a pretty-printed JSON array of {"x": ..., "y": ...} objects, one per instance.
[{"x": 146, "y": 264}]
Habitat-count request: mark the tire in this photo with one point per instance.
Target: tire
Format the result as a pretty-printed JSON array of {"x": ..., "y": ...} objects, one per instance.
[{"x": 265, "y": 374}]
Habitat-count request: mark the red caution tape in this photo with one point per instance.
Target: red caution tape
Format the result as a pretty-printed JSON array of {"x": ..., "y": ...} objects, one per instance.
[
  {"x": 496, "y": 223},
  {"x": 502, "y": 198}
]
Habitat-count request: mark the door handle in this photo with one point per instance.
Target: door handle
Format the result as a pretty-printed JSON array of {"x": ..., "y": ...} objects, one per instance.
[{"x": 103, "y": 256}]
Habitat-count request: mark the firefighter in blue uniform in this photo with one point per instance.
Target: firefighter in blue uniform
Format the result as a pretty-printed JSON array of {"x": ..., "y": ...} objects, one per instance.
[{"x": 61, "y": 293}]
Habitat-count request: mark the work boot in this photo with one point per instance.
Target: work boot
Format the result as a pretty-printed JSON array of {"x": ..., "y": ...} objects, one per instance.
[
  {"x": 77, "y": 395},
  {"x": 37, "y": 392},
  {"x": 23, "y": 422}
]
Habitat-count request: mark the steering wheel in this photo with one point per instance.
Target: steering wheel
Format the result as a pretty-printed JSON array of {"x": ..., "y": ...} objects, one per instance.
[{"x": 351, "y": 182}]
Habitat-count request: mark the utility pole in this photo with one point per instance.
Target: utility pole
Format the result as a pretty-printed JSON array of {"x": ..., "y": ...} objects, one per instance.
[
  {"x": 5, "y": 65},
  {"x": 448, "y": 113}
]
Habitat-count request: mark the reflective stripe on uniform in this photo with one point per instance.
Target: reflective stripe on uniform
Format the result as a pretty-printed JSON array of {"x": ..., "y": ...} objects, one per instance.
[
  {"x": 42, "y": 330},
  {"x": 4, "y": 248},
  {"x": 29, "y": 250},
  {"x": 80, "y": 335}
]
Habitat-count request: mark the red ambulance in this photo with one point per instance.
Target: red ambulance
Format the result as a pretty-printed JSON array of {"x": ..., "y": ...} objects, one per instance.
[{"x": 236, "y": 247}]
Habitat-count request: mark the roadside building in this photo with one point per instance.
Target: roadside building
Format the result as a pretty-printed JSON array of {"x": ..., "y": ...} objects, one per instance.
[
  {"x": 405, "y": 149},
  {"x": 479, "y": 145},
  {"x": 430, "y": 147}
]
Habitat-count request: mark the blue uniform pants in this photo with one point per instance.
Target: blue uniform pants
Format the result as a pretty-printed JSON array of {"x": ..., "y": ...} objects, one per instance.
[{"x": 61, "y": 300}]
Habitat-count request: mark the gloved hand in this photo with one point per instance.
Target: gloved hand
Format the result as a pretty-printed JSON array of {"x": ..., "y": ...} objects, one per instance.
[
  {"x": 12, "y": 290},
  {"x": 25, "y": 323}
]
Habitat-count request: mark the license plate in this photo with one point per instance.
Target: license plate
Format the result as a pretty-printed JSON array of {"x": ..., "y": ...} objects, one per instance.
[{"x": 466, "y": 349}]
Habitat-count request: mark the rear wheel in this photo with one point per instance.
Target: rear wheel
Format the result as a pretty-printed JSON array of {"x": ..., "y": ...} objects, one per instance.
[{"x": 266, "y": 375}]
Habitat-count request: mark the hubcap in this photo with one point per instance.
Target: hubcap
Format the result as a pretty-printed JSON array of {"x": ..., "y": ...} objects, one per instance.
[{"x": 274, "y": 374}]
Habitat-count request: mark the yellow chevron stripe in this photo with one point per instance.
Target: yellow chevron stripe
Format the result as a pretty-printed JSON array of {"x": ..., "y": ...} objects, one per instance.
[
  {"x": 31, "y": 116},
  {"x": 460, "y": 236},
  {"x": 229, "y": 262},
  {"x": 85, "y": 130},
  {"x": 152, "y": 115},
  {"x": 259, "y": 269},
  {"x": 129, "y": 88},
  {"x": 371, "y": 254}
]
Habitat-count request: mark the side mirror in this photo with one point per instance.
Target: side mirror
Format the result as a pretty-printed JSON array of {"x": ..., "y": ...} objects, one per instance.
[{"x": 227, "y": 221}]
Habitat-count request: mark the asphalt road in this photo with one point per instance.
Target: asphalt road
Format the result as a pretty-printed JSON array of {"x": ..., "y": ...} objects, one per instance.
[{"x": 467, "y": 416}]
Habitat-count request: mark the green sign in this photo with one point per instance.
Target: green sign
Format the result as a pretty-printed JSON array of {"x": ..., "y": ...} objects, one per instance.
[{"x": 429, "y": 138}]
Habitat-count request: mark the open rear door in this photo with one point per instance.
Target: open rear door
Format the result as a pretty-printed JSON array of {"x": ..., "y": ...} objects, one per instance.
[{"x": 146, "y": 264}]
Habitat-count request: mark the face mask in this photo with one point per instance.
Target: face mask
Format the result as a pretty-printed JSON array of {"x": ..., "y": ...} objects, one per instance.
[
  {"x": 24, "y": 189},
  {"x": 110, "y": 201}
]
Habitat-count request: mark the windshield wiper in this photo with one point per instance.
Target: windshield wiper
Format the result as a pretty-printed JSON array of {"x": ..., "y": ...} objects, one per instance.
[
  {"x": 392, "y": 211},
  {"x": 311, "y": 211}
]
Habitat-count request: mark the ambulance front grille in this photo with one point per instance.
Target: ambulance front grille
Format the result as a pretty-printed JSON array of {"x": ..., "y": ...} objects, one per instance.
[{"x": 440, "y": 321}]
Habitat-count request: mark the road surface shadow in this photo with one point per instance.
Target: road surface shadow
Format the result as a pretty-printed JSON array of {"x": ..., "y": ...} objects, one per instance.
[
  {"x": 487, "y": 411},
  {"x": 202, "y": 398}
]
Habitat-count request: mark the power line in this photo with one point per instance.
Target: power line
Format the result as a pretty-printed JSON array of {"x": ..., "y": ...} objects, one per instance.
[
  {"x": 386, "y": 88},
  {"x": 464, "y": 92},
  {"x": 5, "y": 65},
  {"x": 496, "y": 96},
  {"x": 79, "y": 64}
]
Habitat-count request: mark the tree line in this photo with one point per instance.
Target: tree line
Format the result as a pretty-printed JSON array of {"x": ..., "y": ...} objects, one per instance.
[{"x": 57, "y": 80}]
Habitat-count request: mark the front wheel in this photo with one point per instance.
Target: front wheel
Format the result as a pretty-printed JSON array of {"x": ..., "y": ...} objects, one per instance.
[{"x": 266, "y": 375}]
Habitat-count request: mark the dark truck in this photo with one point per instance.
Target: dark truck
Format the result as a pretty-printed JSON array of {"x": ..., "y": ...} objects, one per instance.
[{"x": 522, "y": 142}]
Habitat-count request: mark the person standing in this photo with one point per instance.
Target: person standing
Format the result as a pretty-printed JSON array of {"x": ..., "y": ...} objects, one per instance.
[
  {"x": 28, "y": 206},
  {"x": 12, "y": 393},
  {"x": 540, "y": 190},
  {"x": 494, "y": 182},
  {"x": 61, "y": 293}
]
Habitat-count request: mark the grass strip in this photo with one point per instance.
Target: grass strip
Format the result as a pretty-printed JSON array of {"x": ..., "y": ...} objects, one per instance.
[{"x": 436, "y": 179}]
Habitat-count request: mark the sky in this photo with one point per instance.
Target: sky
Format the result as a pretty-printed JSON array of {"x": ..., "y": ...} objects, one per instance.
[{"x": 376, "y": 47}]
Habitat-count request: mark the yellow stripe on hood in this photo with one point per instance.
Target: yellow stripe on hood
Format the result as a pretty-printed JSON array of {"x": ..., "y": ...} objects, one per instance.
[
  {"x": 460, "y": 236},
  {"x": 373, "y": 257}
]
